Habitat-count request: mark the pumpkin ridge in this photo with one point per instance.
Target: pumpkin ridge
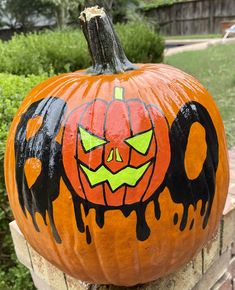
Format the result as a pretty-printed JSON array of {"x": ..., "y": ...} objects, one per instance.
[
  {"x": 130, "y": 150},
  {"x": 154, "y": 165},
  {"x": 115, "y": 107},
  {"x": 146, "y": 110},
  {"x": 76, "y": 153}
]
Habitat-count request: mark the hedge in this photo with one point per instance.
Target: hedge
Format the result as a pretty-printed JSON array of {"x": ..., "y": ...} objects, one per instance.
[
  {"x": 63, "y": 51},
  {"x": 12, "y": 90}
]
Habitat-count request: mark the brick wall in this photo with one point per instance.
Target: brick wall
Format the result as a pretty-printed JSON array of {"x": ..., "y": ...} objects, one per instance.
[{"x": 212, "y": 269}]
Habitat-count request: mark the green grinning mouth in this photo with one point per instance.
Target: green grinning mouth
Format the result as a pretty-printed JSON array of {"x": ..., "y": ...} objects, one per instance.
[{"x": 129, "y": 175}]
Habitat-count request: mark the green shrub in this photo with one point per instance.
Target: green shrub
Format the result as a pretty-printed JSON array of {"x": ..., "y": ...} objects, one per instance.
[
  {"x": 141, "y": 43},
  {"x": 63, "y": 51},
  {"x": 45, "y": 52},
  {"x": 12, "y": 90}
]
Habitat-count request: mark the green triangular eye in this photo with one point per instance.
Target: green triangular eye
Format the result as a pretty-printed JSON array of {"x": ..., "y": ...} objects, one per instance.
[
  {"x": 141, "y": 141},
  {"x": 90, "y": 141}
]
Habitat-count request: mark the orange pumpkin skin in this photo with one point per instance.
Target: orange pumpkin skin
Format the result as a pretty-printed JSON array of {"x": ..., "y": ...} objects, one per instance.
[{"x": 111, "y": 253}]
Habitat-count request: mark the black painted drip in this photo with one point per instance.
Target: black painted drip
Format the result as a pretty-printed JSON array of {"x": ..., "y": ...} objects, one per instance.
[
  {"x": 175, "y": 219},
  {"x": 191, "y": 225},
  {"x": 184, "y": 219},
  {"x": 88, "y": 235},
  {"x": 157, "y": 210},
  {"x": 142, "y": 228}
]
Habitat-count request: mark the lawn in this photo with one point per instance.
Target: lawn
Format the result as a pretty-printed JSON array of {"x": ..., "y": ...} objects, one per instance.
[
  {"x": 194, "y": 36},
  {"x": 215, "y": 68}
]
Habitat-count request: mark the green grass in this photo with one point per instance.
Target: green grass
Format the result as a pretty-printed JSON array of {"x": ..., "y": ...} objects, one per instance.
[
  {"x": 194, "y": 36},
  {"x": 215, "y": 68}
]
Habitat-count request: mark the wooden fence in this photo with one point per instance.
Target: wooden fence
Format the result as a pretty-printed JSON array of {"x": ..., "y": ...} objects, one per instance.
[{"x": 192, "y": 17}]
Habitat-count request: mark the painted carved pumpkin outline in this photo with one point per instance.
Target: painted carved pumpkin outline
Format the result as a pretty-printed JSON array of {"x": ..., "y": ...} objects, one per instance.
[{"x": 116, "y": 179}]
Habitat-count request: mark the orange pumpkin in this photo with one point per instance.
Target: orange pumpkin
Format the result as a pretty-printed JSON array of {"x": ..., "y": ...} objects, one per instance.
[{"x": 118, "y": 174}]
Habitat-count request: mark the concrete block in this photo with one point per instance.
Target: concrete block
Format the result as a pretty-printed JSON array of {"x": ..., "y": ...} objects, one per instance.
[
  {"x": 74, "y": 284},
  {"x": 53, "y": 277},
  {"x": 228, "y": 230},
  {"x": 211, "y": 252},
  {"x": 224, "y": 283},
  {"x": 215, "y": 272},
  {"x": 233, "y": 248},
  {"x": 39, "y": 283},
  {"x": 231, "y": 268},
  {"x": 21, "y": 246}
]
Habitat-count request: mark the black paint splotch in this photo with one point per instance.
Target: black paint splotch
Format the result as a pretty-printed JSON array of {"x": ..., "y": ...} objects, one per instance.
[
  {"x": 183, "y": 190},
  {"x": 42, "y": 145}
]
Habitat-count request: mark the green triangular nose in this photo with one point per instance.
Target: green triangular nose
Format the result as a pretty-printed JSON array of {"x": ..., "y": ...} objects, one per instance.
[{"x": 118, "y": 157}]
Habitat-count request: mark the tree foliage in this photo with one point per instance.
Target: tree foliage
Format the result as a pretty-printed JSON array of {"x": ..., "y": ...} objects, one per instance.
[
  {"x": 22, "y": 13},
  {"x": 119, "y": 10},
  {"x": 64, "y": 9}
]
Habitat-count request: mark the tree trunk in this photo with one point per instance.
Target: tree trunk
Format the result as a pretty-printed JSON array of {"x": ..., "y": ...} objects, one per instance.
[{"x": 61, "y": 16}]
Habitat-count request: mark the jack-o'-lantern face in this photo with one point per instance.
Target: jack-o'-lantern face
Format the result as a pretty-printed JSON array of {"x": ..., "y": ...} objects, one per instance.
[
  {"x": 114, "y": 150},
  {"x": 128, "y": 175}
]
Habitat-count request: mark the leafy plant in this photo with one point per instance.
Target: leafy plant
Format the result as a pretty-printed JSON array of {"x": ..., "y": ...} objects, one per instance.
[{"x": 140, "y": 42}]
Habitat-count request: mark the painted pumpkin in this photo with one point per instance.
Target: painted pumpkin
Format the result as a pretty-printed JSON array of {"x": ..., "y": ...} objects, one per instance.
[{"x": 118, "y": 174}]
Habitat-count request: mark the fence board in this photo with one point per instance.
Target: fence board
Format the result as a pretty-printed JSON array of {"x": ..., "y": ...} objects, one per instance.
[{"x": 192, "y": 17}]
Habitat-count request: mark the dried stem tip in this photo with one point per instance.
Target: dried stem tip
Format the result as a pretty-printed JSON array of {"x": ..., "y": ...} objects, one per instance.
[{"x": 92, "y": 12}]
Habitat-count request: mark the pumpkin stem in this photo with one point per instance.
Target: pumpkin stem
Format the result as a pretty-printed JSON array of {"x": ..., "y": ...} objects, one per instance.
[{"x": 105, "y": 48}]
